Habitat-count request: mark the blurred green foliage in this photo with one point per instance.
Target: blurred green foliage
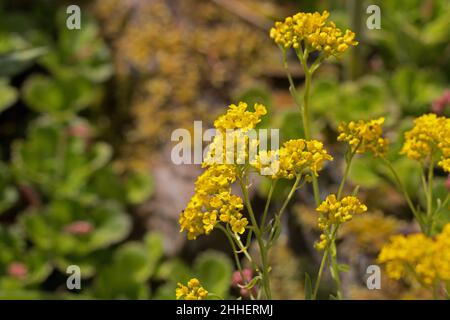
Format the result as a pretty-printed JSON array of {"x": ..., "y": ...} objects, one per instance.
[{"x": 63, "y": 201}]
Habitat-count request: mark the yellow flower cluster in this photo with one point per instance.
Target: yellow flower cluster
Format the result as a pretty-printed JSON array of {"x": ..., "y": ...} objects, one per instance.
[
  {"x": 213, "y": 202},
  {"x": 193, "y": 291},
  {"x": 233, "y": 147},
  {"x": 238, "y": 117},
  {"x": 295, "y": 157},
  {"x": 334, "y": 212},
  {"x": 363, "y": 136},
  {"x": 233, "y": 142},
  {"x": 430, "y": 137},
  {"x": 314, "y": 31},
  {"x": 445, "y": 164},
  {"x": 418, "y": 257}
]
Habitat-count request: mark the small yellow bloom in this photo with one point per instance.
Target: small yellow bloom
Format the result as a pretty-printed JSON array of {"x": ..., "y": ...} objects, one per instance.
[
  {"x": 363, "y": 136},
  {"x": 445, "y": 164},
  {"x": 333, "y": 213},
  {"x": 295, "y": 157},
  {"x": 429, "y": 138},
  {"x": 418, "y": 257},
  {"x": 313, "y": 32},
  {"x": 193, "y": 291},
  {"x": 238, "y": 117},
  {"x": 212, "y": 202},
  {"x": 238, "y": 225}
]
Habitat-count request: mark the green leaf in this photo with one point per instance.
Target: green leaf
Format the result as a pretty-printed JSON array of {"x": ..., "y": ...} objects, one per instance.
[
  {"x": 364, "y": 172},
  {"x": 139, "y": 187},
  {"x": 15, "y": 62},
  {"x": 165, "y": 292},
  {"x": 46, "y": 228},
  {"x": 174, "y": 270},
  {"x": 58, "y": 95},
  {"x": 79, "y": 52},
  {"x": 127, "y": 275},
  {"x": 154, "y": 244},
  {"x": 343, "y": 267},
  {"x": 308, "y": 287},
  {"x": 8, "y": 95},
  {"x": 214, "y": 270},
  {"x": 8, "y": 193}
]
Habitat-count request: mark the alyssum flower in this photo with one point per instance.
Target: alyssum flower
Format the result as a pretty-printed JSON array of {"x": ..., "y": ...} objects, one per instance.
[
  {"x": 429, "y": 139},
  {"x": 417, "y": 257},
  {"x": 334, "y": 212},
  {"x": 363, "y": 136},
  {"x": 193, "y": 291},
  {"x": 313, "y": 32},
  {"x": 295, "y": 157}
]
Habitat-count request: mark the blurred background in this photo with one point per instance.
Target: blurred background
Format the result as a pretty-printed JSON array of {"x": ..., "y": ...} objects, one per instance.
[{"x": 86, "y": 117}]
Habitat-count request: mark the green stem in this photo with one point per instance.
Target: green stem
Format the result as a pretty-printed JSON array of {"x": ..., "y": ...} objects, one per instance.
[
  {"x": 430, "y": 198},
  {"x": 335, "y": 267},
  {"x": 405, "y": 193},
  {"x": 243, "y": 182},
  {"x": 266, "y": 208},
  {"x": 305, "y": 109},
  {"x": 235, "y": 254},
  {"x": 334, "y": 262},
  {"x": 262, "y": 248},
  {"x": 347, "y": 170},
  {"x": 288, "y": 73},
  {"x": 305, "y": 114},
  {"x": 319, "y": 275},
  {"x": 283, "y": 207},
  {"x": 354, "y": 61},
  {"x": 290, "y": 195}
]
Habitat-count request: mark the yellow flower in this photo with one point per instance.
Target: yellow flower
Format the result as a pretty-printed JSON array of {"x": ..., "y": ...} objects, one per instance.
[
  {"x": 363, "y": 136},
  {"x": 193, "y": 291},
  {"x": 238, "y": 117},
  {"x": 212, "y": 202},
  {"x": 233, "y": 147},
  {"x": 333, "y": 213},
  {"x": 441, "y": 258},
  {"x": 238, "y": 224},
  {"x": 418, "y": 257},
  {"x": 234, "y": 141},
  {"x": 445, "y": 164},
  {"x": 295, "y": 157},
  {"x": 429, "y": 138},
  {"x": 313, "y": 32}
]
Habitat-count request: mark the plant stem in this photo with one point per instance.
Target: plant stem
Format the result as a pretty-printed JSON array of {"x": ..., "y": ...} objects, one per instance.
[
  {"x": 290, "y": 195},
  {"x": 347, "y": 170},
  {"x": 286, "y": 68},
  {"x": 266, "y": 208},
  {"x": 319, "y": 275},
  {"x": 236, "y": 257},
  {"x": 405, "y": 193},
  {"x": 243, "y": 181},
  {"x": 305, "y": 109},
  {"x": 430, "y": 198},
  {"x": 335, "y": 267},
  {"x": 262, "y": 248},
  {"x": 353, "y": 63},
  {"x": 305, "y": 115}
]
